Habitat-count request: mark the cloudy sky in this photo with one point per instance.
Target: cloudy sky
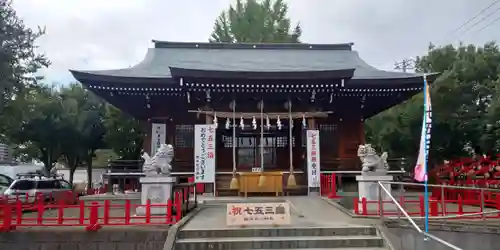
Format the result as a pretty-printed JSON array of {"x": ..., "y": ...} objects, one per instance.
[{"x": 107, "y": 34}]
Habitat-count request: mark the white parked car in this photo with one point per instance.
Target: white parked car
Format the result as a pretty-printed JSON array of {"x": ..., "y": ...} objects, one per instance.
[{"x": 27, "y": 189}]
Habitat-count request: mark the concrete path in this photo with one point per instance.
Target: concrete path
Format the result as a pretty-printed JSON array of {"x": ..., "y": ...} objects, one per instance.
[
  {"x": 306, "y": 212},
  {"x": 319, "y": 212}
]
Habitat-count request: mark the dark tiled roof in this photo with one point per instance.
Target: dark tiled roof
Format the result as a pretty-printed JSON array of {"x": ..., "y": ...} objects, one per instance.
[{"x": 248, "y": 57}]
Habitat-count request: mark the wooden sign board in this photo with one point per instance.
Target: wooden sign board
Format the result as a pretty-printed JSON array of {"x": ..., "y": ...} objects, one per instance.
[{"x": 253, "y": 214}]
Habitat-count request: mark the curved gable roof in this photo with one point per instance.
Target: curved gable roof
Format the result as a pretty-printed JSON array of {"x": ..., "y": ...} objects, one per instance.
[{"x": 245, "y": 58}]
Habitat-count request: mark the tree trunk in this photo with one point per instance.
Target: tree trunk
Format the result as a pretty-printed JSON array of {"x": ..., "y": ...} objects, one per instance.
[
  {"x": 89, "y": 170},
  {"x": 71, "y": 175},
  {"x": 72, "y": 164},
  {"x": 47, "y": 159}
]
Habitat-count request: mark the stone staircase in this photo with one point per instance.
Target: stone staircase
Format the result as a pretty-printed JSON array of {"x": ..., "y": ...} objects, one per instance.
[{"x": 345, "y": 237}]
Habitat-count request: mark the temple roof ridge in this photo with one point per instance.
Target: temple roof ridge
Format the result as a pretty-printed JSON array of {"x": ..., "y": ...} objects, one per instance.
[{"x": 258, "y": 46}]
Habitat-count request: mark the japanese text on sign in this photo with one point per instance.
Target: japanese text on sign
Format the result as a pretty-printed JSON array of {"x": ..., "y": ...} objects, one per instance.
[
  {"x": 159, "y": 133},
  {"x": 313, "y": 158},
  {"x": 204, "y": 153},
  {"x": 241, "y": 214}
]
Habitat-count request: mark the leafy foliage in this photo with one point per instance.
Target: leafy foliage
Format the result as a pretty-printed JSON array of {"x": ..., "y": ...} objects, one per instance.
[
  {"x": 70, "y": 123},
  {"x": 124, "y": 134},
  {"x": 41, "y": 124},
  {"x": 255, "y": 21},
  {"x": 83, "y": 127},
  {"x": 19, "y": 60},
  {"x": 55, "y": 123},
  {"x": 465, "y": 104}
]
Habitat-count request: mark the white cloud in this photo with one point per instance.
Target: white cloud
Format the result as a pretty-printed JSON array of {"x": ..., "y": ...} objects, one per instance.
[{"x": 97, "y": 34}]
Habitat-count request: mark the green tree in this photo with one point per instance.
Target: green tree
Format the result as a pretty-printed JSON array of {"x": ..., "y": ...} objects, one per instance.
[
  {"x": 41, "y": 124},
  {"x": 19, "y": 60},
  {"x": 83, "y": 116},
  {"x": 124, "y": 134},
  {"x": 462, "y": 95},
  {"x": 256, "y": 21},
  {"x": 464, "y": 100},
  {"x": 59, "y": 123}
]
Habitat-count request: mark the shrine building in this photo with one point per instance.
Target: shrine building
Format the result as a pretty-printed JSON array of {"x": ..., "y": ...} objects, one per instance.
[{"x": 263, "y": 99}]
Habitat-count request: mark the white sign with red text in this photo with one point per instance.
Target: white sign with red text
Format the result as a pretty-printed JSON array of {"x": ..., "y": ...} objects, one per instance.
[
  {"x": 313, "y": 160},
  {"x": 204, "y": 153}
]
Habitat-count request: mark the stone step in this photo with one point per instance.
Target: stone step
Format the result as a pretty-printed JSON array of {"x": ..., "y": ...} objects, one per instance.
[
  {"x": 279, "y": 242},
  {"x": 277, "y": 232}
]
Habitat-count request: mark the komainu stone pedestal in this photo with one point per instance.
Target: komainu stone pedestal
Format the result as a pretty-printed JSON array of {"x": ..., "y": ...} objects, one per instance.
[
  {"x": 158, "y": 189},
  {"x": 368, "y": 188}
]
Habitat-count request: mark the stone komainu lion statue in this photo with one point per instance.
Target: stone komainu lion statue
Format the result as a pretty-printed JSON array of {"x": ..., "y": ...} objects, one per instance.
[
  {"x": 370, "y": 161},
  {"x": 159, "y": 164}
]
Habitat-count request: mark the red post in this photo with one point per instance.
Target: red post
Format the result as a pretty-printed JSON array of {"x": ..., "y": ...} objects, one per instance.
[
  {"x": 444, "y": 205},
  {"x": 107, "y": 209},
  {"x": 498, "y": 204},
  {"x": 7, "y": 217},
  {"x": 422, "y": 205},
  {"x": 402, "y": 201},
  {"x": 178, "y": 207},
  {"x": 40, "y": 207},
  {"x": 148, "y": 211},
  {"x": 169, "y": 211},
  {"x": 93, "y": 218},
  {"x": 127, "y": 212},
  {"x": 356, "y": 205},
  {"x": 487, "y": 195},
  {"x": 60, "y": 212},
  {"x": 433, "y": 207},
  {"x": 364, "y": 206},
  {"x": 19, "y": 212},
  {"x": 460, "y": 205},
  {"x": 324, "y": 184},
  {"x": 81, "y": 216},
  {"x": 333, "y": 190}
]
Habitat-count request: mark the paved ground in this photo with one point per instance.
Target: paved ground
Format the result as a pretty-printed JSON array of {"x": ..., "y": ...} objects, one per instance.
[
  {"x": 310, "y": 212},
  {"x": 306, "y": 212}
]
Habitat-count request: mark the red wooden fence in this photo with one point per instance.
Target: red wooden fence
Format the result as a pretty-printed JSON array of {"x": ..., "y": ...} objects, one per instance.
[
  {"x": 66, "y": 210},
  {"x": 415, "y": 206}
]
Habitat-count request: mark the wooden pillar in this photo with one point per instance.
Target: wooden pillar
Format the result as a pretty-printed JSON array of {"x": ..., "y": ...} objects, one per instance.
[
  {"x": 298, "y": 151},
  {"x": 209, "y": 119},
  {"x": 341, "y": 138},
  {"x": 170, "y": 137},
  {"x": 311, "y": 123}
]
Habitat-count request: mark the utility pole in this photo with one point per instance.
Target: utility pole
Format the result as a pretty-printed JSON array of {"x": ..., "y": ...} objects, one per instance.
[{"x": 405, "y": 64}]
